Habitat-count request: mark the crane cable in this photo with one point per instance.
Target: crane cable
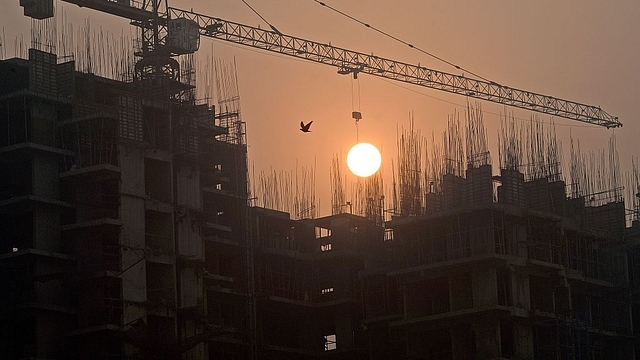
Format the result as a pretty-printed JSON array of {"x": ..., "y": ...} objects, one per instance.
[
  {"x": 355, "y": 109},
  {"x": 403, "y": 42}
]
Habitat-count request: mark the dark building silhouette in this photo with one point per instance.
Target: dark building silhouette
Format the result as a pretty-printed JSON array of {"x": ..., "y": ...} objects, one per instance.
[{"x": 125, "y": 234}]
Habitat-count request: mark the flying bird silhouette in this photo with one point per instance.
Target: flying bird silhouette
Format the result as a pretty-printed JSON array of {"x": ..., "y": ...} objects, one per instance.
[{"x": 305, "y": 128}]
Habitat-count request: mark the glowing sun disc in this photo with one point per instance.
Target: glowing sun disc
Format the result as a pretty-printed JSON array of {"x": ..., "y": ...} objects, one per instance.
[{"x": 364, "y": 159}]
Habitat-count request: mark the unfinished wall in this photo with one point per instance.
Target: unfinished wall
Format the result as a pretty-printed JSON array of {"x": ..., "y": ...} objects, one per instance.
[
  {"x": 480, "y": 185},
  {"x": 487, "y": 340}
]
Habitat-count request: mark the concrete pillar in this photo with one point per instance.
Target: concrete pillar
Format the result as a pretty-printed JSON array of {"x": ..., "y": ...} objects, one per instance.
[
  {"x": 43, "y": 123},
  {"x": 191, "y": 285},
  {"x": 45, "y": 172},
  {"x": 429, "y": 344},
  {"x": 188, "y": 186},
  {"x": 462, "y": 340},
  {"x": 344, "y": 329},
  {"x": 46, "y": 231},
  {"x": 310, "y": 335},
  {"x": 460, "y": 292},
  {"x": 487, "y": 331},
  {"x": 485, "y": 288},
  {"x": 523, "y": 341},
  {"x": 520, "y": 290},
  {"x": 521, "y": 242},
  {"x": 190, "y": 329}
]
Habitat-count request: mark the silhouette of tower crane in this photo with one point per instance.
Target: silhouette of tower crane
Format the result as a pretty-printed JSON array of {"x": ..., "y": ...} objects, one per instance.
[{"x": 168, "y": 32}]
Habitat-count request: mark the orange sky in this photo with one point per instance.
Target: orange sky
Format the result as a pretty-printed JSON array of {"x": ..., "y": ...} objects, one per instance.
[{"x": 585, "y": 51}]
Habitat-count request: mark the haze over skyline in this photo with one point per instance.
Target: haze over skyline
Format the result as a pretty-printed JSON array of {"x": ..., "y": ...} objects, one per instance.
[{"x": 586, "y": 52}]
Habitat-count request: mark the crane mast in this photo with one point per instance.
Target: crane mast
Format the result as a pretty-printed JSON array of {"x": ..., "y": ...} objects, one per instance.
[{"x": 161, "y": 25}]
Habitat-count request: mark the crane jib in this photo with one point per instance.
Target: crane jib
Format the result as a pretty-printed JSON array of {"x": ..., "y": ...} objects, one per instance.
[
  {"x": 352, "y": 62},
  {"x": 149, "y": 14}
]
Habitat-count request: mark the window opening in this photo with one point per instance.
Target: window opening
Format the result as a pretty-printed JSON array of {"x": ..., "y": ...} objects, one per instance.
[{"x": 330, "y": 342}]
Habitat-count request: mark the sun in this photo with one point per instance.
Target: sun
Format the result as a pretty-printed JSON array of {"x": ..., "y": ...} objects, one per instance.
[{"x": 364, "y": 159}]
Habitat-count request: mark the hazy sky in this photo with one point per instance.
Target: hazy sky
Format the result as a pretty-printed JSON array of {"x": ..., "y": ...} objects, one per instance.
[{"x": 584, "y": 51}]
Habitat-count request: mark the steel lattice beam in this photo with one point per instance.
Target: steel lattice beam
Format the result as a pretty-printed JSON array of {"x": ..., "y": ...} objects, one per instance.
[{"x": 349, "y": 62}]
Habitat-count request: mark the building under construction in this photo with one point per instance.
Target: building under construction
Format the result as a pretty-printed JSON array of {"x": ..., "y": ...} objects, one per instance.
[
  {"x": 126, "y": 234},
  {"x": 123, "y": 205}
]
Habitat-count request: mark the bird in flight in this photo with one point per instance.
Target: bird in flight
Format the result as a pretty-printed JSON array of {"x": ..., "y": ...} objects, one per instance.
[{"x": 305, "y": 128}]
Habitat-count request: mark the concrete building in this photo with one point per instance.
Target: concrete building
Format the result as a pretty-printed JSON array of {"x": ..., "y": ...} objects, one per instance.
[
  {"x": 533, "y": 275},
  {"x": 113, "y": 197},
  {"x": 125, "y": 234},
  {"x": 308, "y": 294}
]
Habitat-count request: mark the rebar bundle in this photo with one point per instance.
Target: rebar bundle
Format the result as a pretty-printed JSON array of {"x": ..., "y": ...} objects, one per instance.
[
  {"x": 304, "y": 205},
  {"x": 596, "y": 175},
  {"x": 275, "y": 191},
  {"x": 542, "y": 151},
  {"x": 229, "y": 103},
  {"x": 434, "y": 167},
  {"x": 95, "y": 51},
  {"x": 453, "y": 147},
  {"x": 632, "y": 189},
  {"x": 338, "y": 198},
  {"x": 509, "y": 143},
  {"x": 368, "y": 199},
  {"x": 408, "y": 198},
  {"x": 477, "y": 149},
  {"x": 287, "y": 191}
]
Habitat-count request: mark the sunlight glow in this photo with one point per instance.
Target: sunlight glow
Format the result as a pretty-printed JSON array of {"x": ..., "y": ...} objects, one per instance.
[{"x": 364, "y": 159}]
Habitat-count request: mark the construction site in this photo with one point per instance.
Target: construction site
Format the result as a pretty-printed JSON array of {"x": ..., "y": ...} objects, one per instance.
[{"x": 129, "y": 228}]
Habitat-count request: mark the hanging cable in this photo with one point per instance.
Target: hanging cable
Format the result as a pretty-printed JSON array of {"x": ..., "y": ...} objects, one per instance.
[
  {"x": 358, "y": 83},
  {"x": 359, "y": 114},
  {"x": 352, "y": 97},
  {"x": 355, "y": 96},
  {"x": 403, "y": 42}
]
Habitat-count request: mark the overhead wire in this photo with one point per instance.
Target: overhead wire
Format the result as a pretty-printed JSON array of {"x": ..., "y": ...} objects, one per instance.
[
  {"x": 403, "y": 42},
  {"x": 262, "y": 17}
]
